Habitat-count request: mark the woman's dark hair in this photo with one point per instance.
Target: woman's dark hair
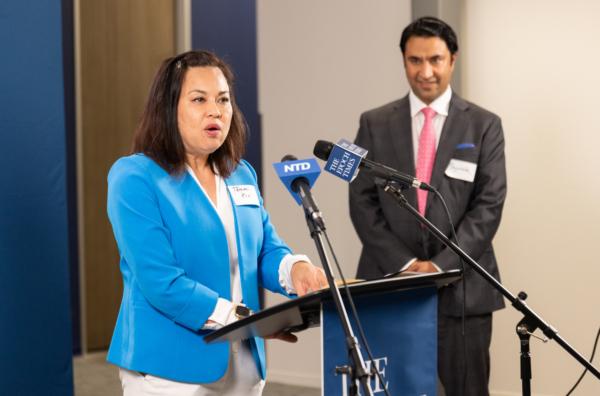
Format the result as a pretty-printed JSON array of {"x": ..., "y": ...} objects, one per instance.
[
  {"x": 430, "y": 27},
  {"x": 157, "y": 134}
]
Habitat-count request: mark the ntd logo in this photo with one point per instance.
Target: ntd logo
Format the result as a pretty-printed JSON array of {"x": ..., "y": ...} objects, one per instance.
[
  {"x": 288, "y": 171},
  {"x": 297, "y": 167}
]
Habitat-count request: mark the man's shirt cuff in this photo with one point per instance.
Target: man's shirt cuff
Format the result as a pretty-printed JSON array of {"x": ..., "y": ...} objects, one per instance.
[{"x": 415, "y": 259}]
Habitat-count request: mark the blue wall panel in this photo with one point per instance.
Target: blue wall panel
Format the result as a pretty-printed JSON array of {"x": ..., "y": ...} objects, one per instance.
[
  {"x": 71, "y": 168},
  {"x": 35, "y": 322},
  {"x": 228, "y": 28}
]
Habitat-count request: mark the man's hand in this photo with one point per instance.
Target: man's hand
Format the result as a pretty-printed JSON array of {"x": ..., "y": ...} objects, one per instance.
[
  {"x": 283, "y": 336},
  {"x": 422, "y": 266},
  {"x": 307, "y": 278}
]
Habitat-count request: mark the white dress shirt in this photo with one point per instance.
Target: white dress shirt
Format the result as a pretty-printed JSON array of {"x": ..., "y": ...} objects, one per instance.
[
  {"x": 440, "y": 105},
  {"x": 224, "y": 312},
  {"x": 242, "y": 376}
]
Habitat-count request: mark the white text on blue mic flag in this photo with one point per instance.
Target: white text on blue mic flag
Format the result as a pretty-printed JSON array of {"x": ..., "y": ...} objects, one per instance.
[
  {"x": 288, "y": 171},
  {"x": 344, "y": 159}
]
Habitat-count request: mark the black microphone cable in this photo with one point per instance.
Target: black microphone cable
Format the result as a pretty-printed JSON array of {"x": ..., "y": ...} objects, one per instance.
[
  {"x": 462, "y": 264},
  {"x": 586, "y": 370},
  {"x": 323, "y": 150},
  {"x": 464, "y": 284},
  {"x": 361, "y": 332},
  {"x": 290, "y": 157}
]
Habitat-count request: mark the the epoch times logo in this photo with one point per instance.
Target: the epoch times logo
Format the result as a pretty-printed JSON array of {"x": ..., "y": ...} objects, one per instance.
[{"x": 380, "y": 365}]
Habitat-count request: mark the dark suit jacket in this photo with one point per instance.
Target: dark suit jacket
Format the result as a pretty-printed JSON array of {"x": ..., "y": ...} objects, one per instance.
[{"x": 391, "y": 236}]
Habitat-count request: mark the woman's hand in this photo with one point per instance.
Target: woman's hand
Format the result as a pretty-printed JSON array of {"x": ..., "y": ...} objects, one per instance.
[{"x": 307, "y": 278}]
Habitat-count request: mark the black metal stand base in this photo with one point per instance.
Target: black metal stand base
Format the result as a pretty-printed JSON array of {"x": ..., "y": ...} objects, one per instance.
[
  {"x": 531, "y": 320},
  {"x": 358, "y": 372}
]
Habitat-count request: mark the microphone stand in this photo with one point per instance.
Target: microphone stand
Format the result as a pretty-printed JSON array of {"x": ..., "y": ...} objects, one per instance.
[
  {"x": 357, "y": 370},
  {"x": 531, "y": 320}
]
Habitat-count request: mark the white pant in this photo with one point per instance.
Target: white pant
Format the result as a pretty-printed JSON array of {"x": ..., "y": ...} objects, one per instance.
[{"x": 241, "y": 378}]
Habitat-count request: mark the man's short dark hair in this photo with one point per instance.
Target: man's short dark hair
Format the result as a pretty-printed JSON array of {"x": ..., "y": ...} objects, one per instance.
[{"x": 430, "y": 27}]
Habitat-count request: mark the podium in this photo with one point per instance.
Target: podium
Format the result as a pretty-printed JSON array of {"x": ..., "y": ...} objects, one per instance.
[{"x": 398, "y": 314}]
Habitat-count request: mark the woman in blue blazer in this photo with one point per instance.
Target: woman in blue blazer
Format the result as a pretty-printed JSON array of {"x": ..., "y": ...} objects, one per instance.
[{"x": 195, "y": 241}]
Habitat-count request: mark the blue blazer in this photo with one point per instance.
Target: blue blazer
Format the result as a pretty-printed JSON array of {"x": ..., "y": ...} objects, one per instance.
[{"x": 175, "y": 265}]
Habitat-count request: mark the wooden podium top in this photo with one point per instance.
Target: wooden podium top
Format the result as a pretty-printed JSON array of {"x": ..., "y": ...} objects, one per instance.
[{"x": 303, "y": 312}]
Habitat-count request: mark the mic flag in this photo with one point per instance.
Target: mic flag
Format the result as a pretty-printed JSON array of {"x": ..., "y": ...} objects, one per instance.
[
  {"x": 349, "y": 156},
  {"x": 344, "y": 160},
  {"x": 289, "y": 171}
]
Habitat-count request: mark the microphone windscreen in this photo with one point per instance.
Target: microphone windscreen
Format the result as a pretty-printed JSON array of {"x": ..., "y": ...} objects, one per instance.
[
  {"x": 291, "y": 169},
  {"x": 289, "y": 157},
  {"x": 343, "y": 158},
  {"x": 322, "y": 149}
]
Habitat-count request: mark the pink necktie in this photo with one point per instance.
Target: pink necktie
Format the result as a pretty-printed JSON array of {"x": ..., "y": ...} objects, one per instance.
[{"x": 425, "y": 156}]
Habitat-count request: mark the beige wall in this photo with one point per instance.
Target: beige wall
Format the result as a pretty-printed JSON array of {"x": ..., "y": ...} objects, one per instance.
[
  {"x": 321, "y": 63},
  {"x": 534, "y": 63}
]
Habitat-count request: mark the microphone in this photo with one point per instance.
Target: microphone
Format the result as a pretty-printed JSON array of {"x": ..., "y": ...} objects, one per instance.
[
  {"x": 299, "y": 176},
  {"x": 344, "y": 159}
]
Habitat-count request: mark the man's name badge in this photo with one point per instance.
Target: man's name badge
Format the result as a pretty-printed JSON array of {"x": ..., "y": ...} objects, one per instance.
[
  {"x": 461, "y": 170},
  {"x": 244, "y": 194}
]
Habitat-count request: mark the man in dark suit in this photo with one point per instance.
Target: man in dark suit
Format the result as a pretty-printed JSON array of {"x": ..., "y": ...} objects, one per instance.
[{"x": 458, "y": 148}]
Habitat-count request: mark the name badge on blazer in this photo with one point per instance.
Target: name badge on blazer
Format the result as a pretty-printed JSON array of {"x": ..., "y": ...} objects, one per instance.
[
  {"x": 461, "y": 170},
  {"x": 244, "y": 194}
]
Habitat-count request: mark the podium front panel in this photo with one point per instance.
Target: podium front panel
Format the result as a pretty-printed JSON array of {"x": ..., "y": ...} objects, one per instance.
[{"x": 401, "y": 330}]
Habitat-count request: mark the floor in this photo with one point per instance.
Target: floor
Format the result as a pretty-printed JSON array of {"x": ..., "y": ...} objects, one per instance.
[{"x": 95, "y": 377}]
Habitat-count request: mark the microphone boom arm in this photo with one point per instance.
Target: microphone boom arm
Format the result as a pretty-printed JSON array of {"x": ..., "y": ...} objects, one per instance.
[
  {"x": 531, "y": 320},
  {"x": 393, "y": 175}
]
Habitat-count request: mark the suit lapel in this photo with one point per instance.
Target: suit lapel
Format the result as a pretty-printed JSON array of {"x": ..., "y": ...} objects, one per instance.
[
  {"x": 400, "y": 134},
  {"x": 452, "y": 133}
]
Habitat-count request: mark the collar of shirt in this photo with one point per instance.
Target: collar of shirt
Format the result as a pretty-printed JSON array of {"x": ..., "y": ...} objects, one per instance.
[{"x": 440, "y": 105}]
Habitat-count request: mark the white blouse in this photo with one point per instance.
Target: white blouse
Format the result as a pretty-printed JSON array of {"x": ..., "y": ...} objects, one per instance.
[{"x": 223, "y": 313}]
